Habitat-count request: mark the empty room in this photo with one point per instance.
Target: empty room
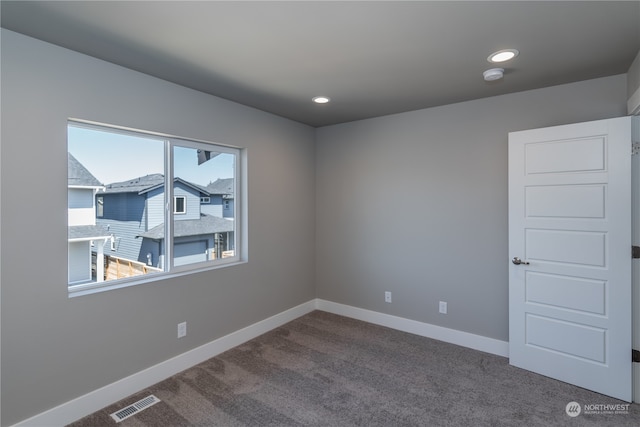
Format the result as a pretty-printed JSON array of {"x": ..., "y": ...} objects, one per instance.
[{"x": 320, "y": 213}]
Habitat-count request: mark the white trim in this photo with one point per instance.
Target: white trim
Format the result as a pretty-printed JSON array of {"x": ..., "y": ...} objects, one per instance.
[
  {"x": 84, "y": 239},
  {"x": 87, "y": 187},
  {"x": 636, "y": 381},
  {"x": 635, "y": 240},
  {"x": 465, "y": 339},
  {"x": 94, "y": 401}
]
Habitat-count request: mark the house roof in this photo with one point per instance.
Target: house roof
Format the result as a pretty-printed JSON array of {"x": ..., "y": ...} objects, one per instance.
[
  {"x": 222, "y": 186},
  {"x": 147, "y": 183},
  {"x": 207, "y": 224},
  {"x": 88, "y": 232},
  {"x": 180, "y": 180},
  {"x": 136, "y": 185},
  {"x": 79, "y": 176}
]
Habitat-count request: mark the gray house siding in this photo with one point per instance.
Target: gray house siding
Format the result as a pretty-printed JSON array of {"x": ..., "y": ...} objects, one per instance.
[
  {"x": 123, "y": 207},
  {"x": 155, "y": 207},
  {"x": 79, "y": 261},
  {"x": 126, "y": 245},
  {"x": 80, "y": 198},
  {"x": 124, "y": 217},
  {"x": 127, "y": 215},
  {"x": 228, "y": 210},
  {"x": 192, "y": 200},
  {"x": 222, "y": 191},
  {"x": 214, "y": 207},
  {"x": 219, "y": 206},
  {"x": 150, "y": 251}
]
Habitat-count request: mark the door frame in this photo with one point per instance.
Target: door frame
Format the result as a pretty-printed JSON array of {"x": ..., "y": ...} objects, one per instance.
[{"x": 635, "y": 227}]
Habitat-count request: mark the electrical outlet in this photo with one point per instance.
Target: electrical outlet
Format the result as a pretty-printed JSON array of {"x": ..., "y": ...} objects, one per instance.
[
  {"x": 182, "y": 329},
  {"x": 443, "y": 307},
  {"x": 387, "y": 296}
]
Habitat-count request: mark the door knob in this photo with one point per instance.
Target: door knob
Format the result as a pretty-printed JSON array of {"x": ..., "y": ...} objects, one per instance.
[{"x": 518, "y": 261}]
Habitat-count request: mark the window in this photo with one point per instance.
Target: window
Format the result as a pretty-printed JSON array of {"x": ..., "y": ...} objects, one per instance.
[
  {"x": 179, "y": 205},
  {"x": 133, "y": 234},
  {"x": 99, "y": 206}
]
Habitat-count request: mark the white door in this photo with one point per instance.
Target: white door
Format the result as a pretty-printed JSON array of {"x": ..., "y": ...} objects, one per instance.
[{"x": 570, "y": 225}]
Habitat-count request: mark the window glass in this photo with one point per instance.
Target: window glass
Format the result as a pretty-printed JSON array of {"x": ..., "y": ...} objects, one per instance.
[
  {"x": 203, "y": 233},
  {"x": 119, "y": 224},
  {"x": 99, "y": 206}
]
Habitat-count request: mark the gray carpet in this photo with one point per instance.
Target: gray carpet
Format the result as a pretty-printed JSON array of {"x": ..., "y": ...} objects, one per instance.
[{"x": 328, "y": 370}]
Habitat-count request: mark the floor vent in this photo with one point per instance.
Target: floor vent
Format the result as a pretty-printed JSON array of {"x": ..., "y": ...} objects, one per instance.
[{"x": 133, "y": 409}]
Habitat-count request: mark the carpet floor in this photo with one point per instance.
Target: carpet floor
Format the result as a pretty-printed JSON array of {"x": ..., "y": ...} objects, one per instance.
[{"x": 328, "y": 370}]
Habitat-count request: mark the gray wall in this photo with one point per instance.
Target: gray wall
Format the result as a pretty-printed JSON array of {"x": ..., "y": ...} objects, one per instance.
[
  {"x": 633, "y": 76},
  {"x": 55, "y": 348},
  {"x": 633, "y": 86},
  {"x": 416, "y": 203}
]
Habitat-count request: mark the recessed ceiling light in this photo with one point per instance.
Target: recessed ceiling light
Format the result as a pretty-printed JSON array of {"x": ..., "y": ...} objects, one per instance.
[
  {"x": 503, "y": 55},
  {"x": 321, "y": 99}
]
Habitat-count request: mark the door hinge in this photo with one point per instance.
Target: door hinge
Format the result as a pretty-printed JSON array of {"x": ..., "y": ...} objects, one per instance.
[
  {"x": 635, "y": 356},
  {"x": 635, "y": 148},
  {"x": 635, "y": 252}
]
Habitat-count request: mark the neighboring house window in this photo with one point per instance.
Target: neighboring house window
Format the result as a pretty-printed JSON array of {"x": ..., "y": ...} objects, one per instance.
[
  {"x": 99, "y": 206},
  {"x": 179, "y": 205},
  {"x": 226, "y": 204},
  {"x": 153, "y": 238}
]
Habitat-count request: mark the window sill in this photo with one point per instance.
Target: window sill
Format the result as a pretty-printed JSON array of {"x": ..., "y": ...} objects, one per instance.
[{"x": 94, "y": 288}]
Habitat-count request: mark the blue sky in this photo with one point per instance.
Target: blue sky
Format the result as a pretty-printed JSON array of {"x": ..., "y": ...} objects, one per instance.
[{"x": 114, "y": 157}]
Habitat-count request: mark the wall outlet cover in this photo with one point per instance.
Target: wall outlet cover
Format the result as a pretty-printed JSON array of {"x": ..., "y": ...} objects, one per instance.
[
  {"x": 182, "y": 329},
  {"x": 443, "y": 307}
]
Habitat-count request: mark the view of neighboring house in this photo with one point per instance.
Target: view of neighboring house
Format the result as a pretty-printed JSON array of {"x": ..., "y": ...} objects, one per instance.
[
  {"x": 133, "y": 211},
  {"x": 118, "y": 230},
  {"x": 84, "y": 236},
  {"x": 221, "y": 199}
]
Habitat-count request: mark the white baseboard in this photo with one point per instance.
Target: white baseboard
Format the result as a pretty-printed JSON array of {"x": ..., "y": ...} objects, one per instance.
[
  {"x": 465, "y": 339},
  {"x": 94, "y": 401},
  {"x": 636, "y": 381}
]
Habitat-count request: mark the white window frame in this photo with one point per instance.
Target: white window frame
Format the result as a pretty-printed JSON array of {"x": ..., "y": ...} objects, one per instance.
[
  {"x": 175, "y": 205},
  {"x": 240, "y": 220},
  {"x": 205, "y": 200}
]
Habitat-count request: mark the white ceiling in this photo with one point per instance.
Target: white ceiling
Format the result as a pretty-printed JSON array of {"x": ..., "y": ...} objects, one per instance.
[{"x": 371, "y": 57}]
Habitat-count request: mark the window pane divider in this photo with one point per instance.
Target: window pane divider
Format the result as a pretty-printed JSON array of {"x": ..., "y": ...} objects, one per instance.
[{"x": 168, "y": 194}]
